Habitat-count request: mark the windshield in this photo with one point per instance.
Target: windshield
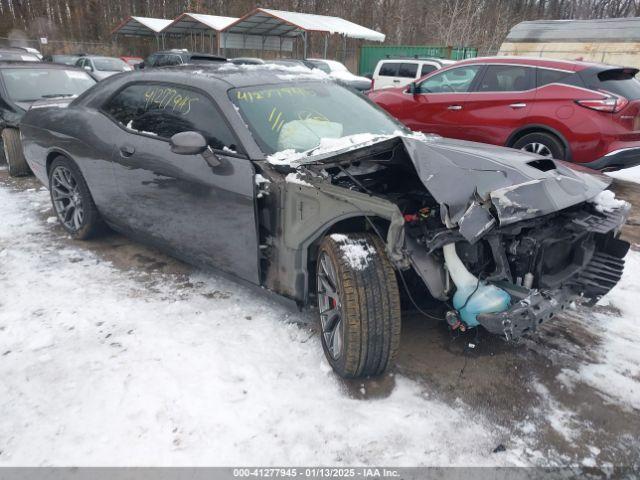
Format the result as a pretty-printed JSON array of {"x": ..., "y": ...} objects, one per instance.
[
  {"x": 110, "y": 64},
  {"x": 29, "y": 85},
  {"x": 298, "y": 115},
  {"x": 321, "y": 65}
]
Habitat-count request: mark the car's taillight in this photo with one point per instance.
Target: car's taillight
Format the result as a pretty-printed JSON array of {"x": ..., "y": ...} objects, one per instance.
[
  {"x": 373, "y": 83},
  {"x": 612, "y": 103}
]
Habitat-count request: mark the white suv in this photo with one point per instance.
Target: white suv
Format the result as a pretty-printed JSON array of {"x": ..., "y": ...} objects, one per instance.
[{"x": 399, "y": 72}]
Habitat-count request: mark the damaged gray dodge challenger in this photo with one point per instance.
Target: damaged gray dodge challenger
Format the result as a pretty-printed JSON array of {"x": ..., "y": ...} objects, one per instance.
[{"x": 291, "y": 182}]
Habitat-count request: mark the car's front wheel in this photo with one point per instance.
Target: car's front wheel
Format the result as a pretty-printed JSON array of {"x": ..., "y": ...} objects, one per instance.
[
  {"x": 541, "y": 143},
  {"x": 12, "y": 147},
  {"x": 359, "y": 304},
  {"x": 72, "y": 200}
]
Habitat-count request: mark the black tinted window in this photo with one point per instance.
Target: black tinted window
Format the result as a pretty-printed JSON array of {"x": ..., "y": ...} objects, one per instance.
[
  {"x": 546, "y": 76},
  {"x": 620, "y": 81},
  {"x": 408, "y": 70},
  {"x": 506, "y": 78},
  {"x": 164, "y": 110},
  {"x": 389, "y": 70},
  {"x": 426, "y": 68}
]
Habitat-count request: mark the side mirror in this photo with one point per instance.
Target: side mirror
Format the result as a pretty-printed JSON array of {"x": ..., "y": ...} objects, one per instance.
[
  {"x": 413, "y": 88},
  {"x": 188, "y": 143},
  {"x": 88, "y": 68}
]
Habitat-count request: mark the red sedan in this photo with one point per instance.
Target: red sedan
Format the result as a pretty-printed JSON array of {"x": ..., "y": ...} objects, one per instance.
[{"x": 582, "y": 112}]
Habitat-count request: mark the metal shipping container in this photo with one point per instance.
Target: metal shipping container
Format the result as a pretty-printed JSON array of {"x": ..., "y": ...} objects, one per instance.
[{"x": 371, "y": 54}]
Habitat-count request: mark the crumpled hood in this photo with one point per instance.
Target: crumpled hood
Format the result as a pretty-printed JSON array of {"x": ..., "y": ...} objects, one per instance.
[
  {"x": 467, "y": 178},
  {"x": 478, "y": 186}
]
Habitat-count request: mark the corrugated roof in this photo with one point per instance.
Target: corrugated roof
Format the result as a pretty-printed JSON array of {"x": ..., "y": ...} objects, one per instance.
[
  {"x": 602, "y": 30},
  {"x": 280, "y": 23},
  {"x": 141, "y": 26},
  {"x": 197, "y": 22}
]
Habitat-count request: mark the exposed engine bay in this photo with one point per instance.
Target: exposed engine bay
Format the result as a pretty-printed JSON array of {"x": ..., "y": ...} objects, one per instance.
[{"x": 506, "y": 256}]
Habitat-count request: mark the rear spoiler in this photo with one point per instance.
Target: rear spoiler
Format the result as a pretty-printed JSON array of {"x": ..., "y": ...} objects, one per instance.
[{"x": 617, "y": 73}]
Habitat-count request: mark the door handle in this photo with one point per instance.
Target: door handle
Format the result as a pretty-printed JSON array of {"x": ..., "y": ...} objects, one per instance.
[
  {"x": 454, "y": 107},
  {"x": 518, "y": 105},
  {"x": 127, "y": 150}
]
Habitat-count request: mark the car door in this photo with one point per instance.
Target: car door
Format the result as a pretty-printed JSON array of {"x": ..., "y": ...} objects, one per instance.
[
  {"x": 500, "y": 103},
  {"x": 202, "y": 211},
  {"x": 387, "y": 76},
  {"x": 437, "y": 105}
]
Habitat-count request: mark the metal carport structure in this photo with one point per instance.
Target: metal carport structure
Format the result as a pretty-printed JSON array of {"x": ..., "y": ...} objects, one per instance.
[
  {"x": 198, "y": 24},
  {"x": 268, "y": 29},
  {"x": 141, "y": 27}
]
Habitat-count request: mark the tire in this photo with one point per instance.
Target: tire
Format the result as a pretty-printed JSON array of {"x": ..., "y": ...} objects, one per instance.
[
  {"x": 541, "y": 143},
  {"x": 72, "y": 200},
  {"x": 12, "y": 148},
  {"x": 359, "y": 305}
]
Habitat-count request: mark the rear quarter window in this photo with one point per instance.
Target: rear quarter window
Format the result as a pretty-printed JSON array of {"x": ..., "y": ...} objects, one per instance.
[
  {"x": 545, "y": 76},
  {"x": 618, "y": 81}
]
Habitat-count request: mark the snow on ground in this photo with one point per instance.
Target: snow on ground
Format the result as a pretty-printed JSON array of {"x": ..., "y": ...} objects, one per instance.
[
  {"x": 630, "y": 174},
  {"x": 100, "y": 367},
  {"x": 617, "y": 375}
]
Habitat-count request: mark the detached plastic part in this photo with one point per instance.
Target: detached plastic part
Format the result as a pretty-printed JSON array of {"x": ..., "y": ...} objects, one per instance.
[{"x": 472, "y": 297}]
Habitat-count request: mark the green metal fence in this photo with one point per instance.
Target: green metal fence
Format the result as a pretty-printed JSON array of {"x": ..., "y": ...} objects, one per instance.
[{"x": 370, "y": 54}]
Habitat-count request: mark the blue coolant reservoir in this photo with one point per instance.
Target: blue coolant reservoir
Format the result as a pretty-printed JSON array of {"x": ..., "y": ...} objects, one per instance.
[{"x": 486, "y": 299}]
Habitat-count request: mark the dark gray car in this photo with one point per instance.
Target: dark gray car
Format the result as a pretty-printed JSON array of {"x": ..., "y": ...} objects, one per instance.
[
  {"x": 288, "y": 181},
  {"x": 21, "y": 85}
]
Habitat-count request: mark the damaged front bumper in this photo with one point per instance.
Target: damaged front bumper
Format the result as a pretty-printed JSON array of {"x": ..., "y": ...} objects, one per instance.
[
  {"x": 533, "y": 307},
  {"x": 528, "y": 313}
]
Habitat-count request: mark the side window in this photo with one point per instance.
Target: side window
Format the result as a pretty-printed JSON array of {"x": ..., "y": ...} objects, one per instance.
[
  {"x": 408, "y": 70},
  {"x": 546, "y": 76},
  {"x": 172, "y": 60},
  {"x": 455, "y": 80},
  {"x": 389, "y": 70},
  {"x": 426, "y": 68},
  {"x": 507, "y": 78},
  {"x": 160, "y": 61},
  {"x": 80, "y": 63},
  {"x": 164, "y": 110}
]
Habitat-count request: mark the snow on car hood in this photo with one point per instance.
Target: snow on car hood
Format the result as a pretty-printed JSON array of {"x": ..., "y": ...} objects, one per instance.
[{"x": 476, "y": 185}]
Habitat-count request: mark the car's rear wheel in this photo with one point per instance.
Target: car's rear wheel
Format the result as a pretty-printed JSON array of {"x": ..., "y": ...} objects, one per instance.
[
  {"x": 72, "y": 200},
  {"x": 541, "y": 143},
  {"x": 359, "y": 304},
  {"x": 12, "y": 148}
]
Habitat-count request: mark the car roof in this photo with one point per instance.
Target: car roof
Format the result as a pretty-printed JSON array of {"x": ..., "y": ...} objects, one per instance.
[
  {"x": 441, "y": 61},
  {"x": 38, "y": 65},
  {"x": 12, "y": 49},
  {"x": 99, "y": 56},
  {"x": 228, "y": 74},
  {"x": 571, "y": 65}
]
